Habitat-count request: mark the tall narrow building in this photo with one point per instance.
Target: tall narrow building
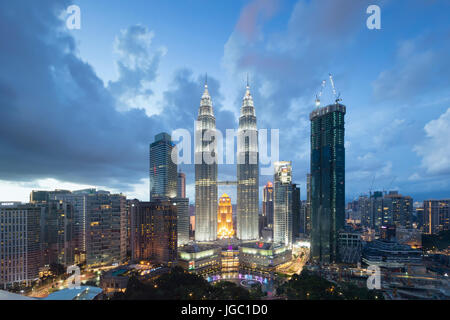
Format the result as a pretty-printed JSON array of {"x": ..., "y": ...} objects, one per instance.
[
  {"x": 181, "y": 185},
  {"x": 247, "y": 172},
  {"x": 163, "y": 171},
  {"x": 268, "y": 205},
  {"x": 282, "y": 224},
  {"x": 205, "y": 172},
  {"x": 296, "y": 207},
  {"x": 327, "y": 181}
]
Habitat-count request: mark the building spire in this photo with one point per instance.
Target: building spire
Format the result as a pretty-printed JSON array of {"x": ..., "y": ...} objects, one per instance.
[
  {"x": 206, "y": 92},
  {"x": 247, "y": 92}
]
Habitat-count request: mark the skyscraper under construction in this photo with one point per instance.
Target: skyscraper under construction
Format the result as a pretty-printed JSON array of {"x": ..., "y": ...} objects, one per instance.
[{"x": 327, "y": 181}]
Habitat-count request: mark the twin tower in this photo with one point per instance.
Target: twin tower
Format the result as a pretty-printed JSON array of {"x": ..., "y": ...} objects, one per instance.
[{"x": 206, "y": 172}]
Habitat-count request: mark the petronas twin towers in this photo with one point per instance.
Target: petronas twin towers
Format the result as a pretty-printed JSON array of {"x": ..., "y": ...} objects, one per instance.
[{"x": 206, "y": 172}]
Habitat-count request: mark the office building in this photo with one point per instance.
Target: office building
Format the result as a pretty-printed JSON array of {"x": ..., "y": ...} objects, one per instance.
[
  {"x": 308, "y": 205},
  {"x": 181, "y": 185},
  {"x": 205, "y": 172},
  {"x": 296, "y": 210},
  {"x": 327, "y": 181},
  {"x": 163, "y": 170},
  {"x": 58, "y": 243},
  {"x": 183, "y": 223},
  {"x": 247, "y": 172},
  {"x": 282, "y": 226},
  {"x": 267, "y": 205},
  {"x": 78, "y": 201},
  {"x": 105, "y": 228}
]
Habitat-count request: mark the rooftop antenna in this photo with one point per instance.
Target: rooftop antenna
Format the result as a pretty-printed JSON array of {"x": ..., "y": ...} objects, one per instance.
[
  {"x": 337, "y": 96},
  {"x": 320, "y": 93}
]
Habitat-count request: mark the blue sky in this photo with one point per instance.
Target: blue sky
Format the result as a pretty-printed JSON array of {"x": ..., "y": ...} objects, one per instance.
[{"x": 79, "y": 107}]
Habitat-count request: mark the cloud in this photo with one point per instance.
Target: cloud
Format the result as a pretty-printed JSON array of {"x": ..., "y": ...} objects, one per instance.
[
  {"x": 420, "y": 69},
  {"x": 434, "y": 150},
  {"x": 137, "y": 66},
  {"x": 58, "y": 121},
  {"x": 286, "y": 67},
  {"x": 255, "y": 14}
]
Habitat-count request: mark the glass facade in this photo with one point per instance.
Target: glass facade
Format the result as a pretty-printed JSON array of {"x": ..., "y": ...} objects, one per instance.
[
  {"x": 205, "y": 172},
  {"x": 282, "y": 227},
  {"x": 247, "y": 172},
  {"x": 163, "y": 171},
  {"x": 327, "y": 181}
]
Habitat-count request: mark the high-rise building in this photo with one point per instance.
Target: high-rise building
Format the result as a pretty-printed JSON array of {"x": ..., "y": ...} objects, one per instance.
[
  {"x": 205, "y": 171},
  {"x": 163, "y": 170},
  {"x": 247, "y": 172},
  {"x": 58, "y": 243},
  {"x": 225, "y": 218},
  {"x": 20, "y": 239},
  {"x": 182, "y": 207},
  {"x": 105, "y": 232},
  {"x": 436, "y": 216},
  {"x": 385, "y": 210},
  {"x": 296, "y": 208},
  {"x": 303, "y": 217},
  {"x": 267, "y": 204},
  {"x": 181, "y": 185},
  {"x": 308, "y": 205},
  {"x": 327, "y": 181},
  {"x": 182, "y": 204},
  {"x": 282, "y": 226},
  {"x": 154, "y": 231},
  {"x": 78, "y": 201}
]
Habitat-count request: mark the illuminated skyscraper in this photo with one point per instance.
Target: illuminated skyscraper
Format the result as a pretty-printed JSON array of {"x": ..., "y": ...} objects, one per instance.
[
  {"x": 225, "y": 218},
  {"x": 247, "y": 172},
  {"x": 282, "y": 225},
  {"x": 327, "y": 181},
  {"x": 205, "y": 172},
  {"x": 163, "y": 171},
  {"x": 268, "y": 204}
]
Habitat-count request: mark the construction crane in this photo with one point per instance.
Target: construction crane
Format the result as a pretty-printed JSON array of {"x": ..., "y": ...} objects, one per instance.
[
  {"x": 320, "y": 93},
  {"x": 338, "y": 96}
]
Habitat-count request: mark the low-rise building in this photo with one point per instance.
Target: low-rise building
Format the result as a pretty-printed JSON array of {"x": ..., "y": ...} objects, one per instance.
[
  {"x": 391, "y": 255},
  {"x": 202, "y": 259},
  {"x": 262, "y": 258}
]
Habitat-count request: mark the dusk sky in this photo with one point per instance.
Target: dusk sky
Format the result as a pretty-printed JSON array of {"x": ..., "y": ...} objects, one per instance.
[{"x": 79, "y": 108}]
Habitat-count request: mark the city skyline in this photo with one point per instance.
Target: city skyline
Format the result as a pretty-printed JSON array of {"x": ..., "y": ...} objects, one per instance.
[
  {"x": 401, "y": 139},
  {"x": 258, "y": 150}
]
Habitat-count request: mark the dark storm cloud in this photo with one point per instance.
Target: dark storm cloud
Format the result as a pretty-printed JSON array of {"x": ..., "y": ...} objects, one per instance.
[{"x": 57, "y": 120}]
